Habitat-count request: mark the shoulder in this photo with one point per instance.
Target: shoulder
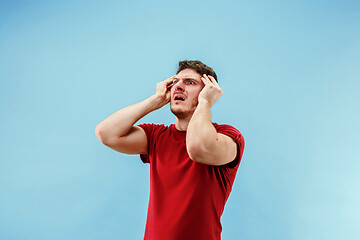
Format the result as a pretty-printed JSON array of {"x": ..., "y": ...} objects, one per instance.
[
  {"x": 230, "y": 131},
  {"x": 152, "y": 129},
  {"x": 234, "y": 134},
  {"x": 153, "y": 126}
]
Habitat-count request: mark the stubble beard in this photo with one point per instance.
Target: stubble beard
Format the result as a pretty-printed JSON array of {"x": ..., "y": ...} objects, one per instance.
[{"x": 183, "y": 114}]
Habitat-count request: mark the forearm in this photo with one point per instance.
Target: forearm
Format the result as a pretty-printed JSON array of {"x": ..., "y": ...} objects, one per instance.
[
  {"x": 201, "y": 134},
  {"x": 119, "y": 123}
]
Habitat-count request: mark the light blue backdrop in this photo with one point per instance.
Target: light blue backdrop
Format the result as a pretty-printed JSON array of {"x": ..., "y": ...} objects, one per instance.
[{"x": 290, "y": 73}]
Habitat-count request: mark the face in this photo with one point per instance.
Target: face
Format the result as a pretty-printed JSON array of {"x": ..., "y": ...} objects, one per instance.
[{"x": 185, "y": 92}]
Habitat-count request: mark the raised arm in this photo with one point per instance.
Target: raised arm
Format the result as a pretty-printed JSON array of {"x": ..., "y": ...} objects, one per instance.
[
  {"x": 118, "y": 131},
  {"x": 203, "y": 143}
]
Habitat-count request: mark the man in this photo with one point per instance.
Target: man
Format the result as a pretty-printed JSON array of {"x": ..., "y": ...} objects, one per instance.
[{"x": 193, "y": 162}]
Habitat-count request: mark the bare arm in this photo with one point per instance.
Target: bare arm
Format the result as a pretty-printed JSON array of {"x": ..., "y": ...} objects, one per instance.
[
  {"x": 118, "y": 131},
  {"x": 203, "y": 143}
]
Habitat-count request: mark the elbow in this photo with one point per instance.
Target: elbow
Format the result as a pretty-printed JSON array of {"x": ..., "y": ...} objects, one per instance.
[
  {"x": 203, "y": 153},
  {"x": 105, "y": 137},
  {"x": 100, "y": 134},
  {"x": 195, "y": 152}
]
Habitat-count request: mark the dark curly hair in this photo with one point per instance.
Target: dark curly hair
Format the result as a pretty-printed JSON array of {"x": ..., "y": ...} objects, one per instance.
[{"x": 198, "y": 66}]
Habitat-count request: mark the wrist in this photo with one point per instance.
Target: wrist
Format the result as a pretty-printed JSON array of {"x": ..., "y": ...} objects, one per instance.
[
  {"x": 205, "y": 103},
  {"x": 154, "y": 102}
]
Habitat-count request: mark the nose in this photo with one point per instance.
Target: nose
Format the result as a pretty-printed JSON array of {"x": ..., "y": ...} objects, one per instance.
[{"x": 179, "y": 85}]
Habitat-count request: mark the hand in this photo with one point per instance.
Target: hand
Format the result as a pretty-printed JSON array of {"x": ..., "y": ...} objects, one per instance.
[
  {"x": 211, "y": 91},
  {"x": 162, "y": 93}
]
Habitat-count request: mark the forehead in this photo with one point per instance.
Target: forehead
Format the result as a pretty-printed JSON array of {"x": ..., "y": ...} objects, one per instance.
[{"x": 188, "y": 73}]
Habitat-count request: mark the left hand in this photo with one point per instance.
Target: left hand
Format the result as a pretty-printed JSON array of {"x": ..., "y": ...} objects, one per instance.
[{"x": 211, "y": 91}]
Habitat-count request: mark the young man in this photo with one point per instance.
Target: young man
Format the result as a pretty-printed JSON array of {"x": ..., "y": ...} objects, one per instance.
[{"x": 193, "y": 162}]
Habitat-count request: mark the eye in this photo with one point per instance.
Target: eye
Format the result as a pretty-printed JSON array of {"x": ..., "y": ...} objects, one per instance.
[
  {"x": 190, "y": 82},
  {"x": 175, "y": 81}
]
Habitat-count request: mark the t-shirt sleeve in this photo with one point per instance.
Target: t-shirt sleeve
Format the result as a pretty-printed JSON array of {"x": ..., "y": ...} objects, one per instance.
[
  {"x": 152, "y": 131},
  {"x": 235, "y": 134},
  {"x": 148, "y": 128}
]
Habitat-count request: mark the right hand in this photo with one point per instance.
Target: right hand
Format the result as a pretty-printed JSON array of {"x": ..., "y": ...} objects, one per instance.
[{"x": 163, "y": 92}]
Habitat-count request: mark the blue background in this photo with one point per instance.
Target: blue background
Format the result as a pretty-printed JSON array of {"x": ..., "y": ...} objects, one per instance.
[{"x": 290, "y": 75}]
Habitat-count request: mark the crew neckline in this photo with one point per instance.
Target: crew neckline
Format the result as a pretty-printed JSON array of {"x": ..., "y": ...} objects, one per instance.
[{"x": 176, "y": 130}]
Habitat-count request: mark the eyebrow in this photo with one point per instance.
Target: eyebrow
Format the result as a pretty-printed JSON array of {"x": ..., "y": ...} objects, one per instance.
[{"x": 187, "y": 78}]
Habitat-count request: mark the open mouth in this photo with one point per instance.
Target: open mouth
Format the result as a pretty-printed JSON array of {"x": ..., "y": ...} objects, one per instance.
[{"x": 178, "y": 98}]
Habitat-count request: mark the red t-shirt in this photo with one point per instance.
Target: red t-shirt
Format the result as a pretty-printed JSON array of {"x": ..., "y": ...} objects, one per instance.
[{"x": 187, "y": 198}]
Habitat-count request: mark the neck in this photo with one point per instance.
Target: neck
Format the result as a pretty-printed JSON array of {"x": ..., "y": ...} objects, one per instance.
[{"x": 182, "y": 124}]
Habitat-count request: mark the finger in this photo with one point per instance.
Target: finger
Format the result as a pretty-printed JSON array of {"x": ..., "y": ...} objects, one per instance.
[
  {"x": 209, "y": 79},
  {"x": 213, "y": 80},
  {"x": 169, "y": 82},
  {"x": 205, "y": 80},
  {"x": 169, "y": 86}
]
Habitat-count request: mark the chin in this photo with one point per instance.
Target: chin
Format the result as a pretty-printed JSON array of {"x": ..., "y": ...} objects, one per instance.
[{"x": 180, "y": 113}]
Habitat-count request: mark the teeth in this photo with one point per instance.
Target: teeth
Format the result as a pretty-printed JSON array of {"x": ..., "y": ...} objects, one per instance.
[{"x": 179, "y": 98}]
